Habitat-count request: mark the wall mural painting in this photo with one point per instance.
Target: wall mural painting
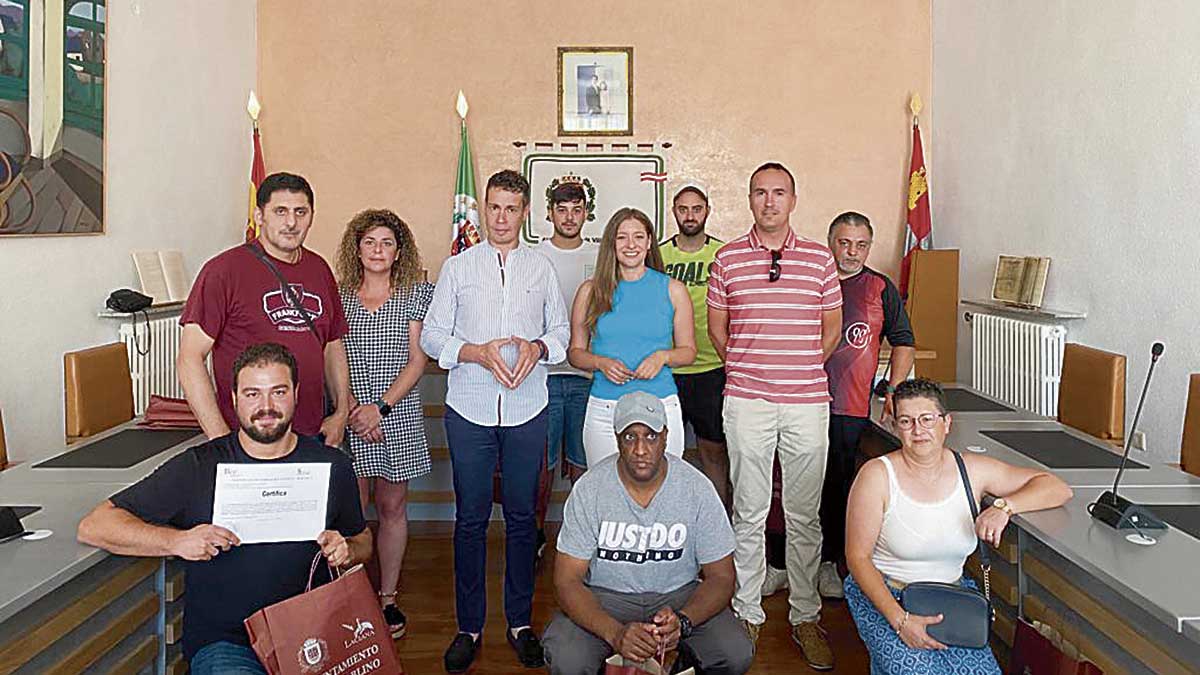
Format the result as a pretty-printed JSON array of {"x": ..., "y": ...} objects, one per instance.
[{"x": 52, "y": 117}]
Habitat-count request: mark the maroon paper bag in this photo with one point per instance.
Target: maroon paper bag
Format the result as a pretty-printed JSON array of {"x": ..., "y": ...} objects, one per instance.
[
  {"x": 338, "y": 627},
  {"x": 1036, "y": 654}
]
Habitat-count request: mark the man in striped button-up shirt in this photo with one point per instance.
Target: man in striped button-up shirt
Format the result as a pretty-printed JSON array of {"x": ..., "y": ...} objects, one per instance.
[
  {"x": 774, "y": 314},
  {"x": 496, "y": 320}
]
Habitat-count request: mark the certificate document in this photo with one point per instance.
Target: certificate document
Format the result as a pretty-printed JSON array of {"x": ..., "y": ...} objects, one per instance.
[{"x": 263, "y": 503}]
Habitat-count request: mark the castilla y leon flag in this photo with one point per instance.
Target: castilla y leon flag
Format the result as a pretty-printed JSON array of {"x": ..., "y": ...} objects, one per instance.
[
  {"x": 258, "y": 171},
  {"x": 919, "y": 233},
  {"x": 466, "y": 211}
]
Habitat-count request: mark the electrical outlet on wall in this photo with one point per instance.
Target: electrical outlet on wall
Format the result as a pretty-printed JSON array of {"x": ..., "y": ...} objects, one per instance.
[{"x": 1138, "y": 442}]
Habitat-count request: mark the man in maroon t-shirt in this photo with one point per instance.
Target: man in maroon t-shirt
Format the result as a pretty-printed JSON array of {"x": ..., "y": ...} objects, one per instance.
[
  {"x": 871, "y": 310},
  {"x": 237, "y": 301}
]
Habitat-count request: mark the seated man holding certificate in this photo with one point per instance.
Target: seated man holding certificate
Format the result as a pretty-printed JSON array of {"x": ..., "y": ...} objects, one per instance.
[
  {"x": 302, "y": 497},
  {"x": 645, "y": 559}
]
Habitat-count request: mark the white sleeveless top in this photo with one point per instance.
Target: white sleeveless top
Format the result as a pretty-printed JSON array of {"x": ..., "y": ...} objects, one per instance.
[{"x": 924, "y": 541}]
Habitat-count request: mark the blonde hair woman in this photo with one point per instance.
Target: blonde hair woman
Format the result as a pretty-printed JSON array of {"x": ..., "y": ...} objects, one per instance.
[
  {"x": 630, "y": 323},
  {"x": 385, "y": 299}
]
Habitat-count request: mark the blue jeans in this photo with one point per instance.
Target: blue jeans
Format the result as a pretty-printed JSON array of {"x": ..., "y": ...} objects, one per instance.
[
  {"x": 226, "y": 658},
  {"x": 475, "y": 452},
  {"x": 567, "y": 408}
]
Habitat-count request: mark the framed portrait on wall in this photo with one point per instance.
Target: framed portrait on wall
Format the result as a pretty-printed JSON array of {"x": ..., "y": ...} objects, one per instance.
[{"x": 595, "y": 91}]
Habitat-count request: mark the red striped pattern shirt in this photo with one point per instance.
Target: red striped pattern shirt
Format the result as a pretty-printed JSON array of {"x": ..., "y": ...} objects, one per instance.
[{"x": 774, "y": 348}]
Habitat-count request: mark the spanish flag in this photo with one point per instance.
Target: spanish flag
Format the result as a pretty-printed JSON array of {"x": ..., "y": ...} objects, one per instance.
[{"x": 258, "y": 171}]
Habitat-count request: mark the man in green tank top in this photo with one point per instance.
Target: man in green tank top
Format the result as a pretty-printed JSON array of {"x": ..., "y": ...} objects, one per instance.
[{"x": 686, "y": 257}]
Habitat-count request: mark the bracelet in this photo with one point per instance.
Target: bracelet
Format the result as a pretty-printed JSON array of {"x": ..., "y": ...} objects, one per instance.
[{"x": 900, "y": 626}]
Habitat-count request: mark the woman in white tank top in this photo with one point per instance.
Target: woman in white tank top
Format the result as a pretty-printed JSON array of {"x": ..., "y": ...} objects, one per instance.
[{"x": 908, "y": 520}]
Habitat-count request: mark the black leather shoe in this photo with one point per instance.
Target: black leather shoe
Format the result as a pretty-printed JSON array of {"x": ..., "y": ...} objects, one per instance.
[
  {"x": 461, "y": 653},
  {"x": 528, "y": 648}
]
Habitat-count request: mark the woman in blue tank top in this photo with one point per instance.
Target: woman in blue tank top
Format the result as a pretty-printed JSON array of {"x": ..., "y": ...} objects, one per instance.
[{"x": 630, "y": 324}]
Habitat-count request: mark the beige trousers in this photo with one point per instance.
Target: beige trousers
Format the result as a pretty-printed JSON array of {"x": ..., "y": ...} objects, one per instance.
[{"x": 755, "y": 431}]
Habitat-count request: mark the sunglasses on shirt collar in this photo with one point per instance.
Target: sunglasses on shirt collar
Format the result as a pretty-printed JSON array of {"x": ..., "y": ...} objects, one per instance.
[{"x": 776, "y": 269}]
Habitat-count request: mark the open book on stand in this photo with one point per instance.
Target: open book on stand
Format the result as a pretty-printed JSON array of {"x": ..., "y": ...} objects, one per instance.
[
  {"x": 161, "y": 275},
  {"x": 1020, "y": 281}
]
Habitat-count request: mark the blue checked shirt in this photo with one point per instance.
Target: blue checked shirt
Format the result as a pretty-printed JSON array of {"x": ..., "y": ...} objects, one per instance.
[{"x": 480, "y": 298}]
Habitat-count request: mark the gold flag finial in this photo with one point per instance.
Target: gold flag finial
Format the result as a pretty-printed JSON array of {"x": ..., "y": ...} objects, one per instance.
[
  {"x": 915, "y": 105},
  {"x": 461, "y": 106}
]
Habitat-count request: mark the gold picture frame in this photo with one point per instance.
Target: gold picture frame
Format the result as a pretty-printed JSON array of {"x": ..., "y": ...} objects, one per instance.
[{"x": 595, "y": 91}]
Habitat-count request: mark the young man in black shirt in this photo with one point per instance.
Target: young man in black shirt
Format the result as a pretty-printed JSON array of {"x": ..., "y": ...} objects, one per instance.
[{"x": 169, "y": 513}]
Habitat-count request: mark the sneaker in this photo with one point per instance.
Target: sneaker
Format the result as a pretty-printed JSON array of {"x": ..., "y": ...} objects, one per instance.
[
  {"x": 541, "y": 544},
  {"x": 528, "y": 648},
  {"x": 397, "y": 622},
  {"x": 752, "y": 630},
  {"x": 829, "y": 584},
  {"x": 461, "y": 653},
  {"x": 776, "y": 581},
  {"x": 814, "y": 644}
]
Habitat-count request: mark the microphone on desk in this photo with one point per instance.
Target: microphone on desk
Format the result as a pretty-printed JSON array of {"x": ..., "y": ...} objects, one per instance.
[{"x": 1112, "y": 509}]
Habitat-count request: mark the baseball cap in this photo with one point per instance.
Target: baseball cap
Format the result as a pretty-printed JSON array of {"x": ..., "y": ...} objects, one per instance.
[
  {"x": 639, "y": 407},
  {"x": 690, "y": 186}
]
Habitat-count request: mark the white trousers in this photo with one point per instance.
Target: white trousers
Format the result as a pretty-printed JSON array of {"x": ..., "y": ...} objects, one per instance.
[
  {"x": 600, "y": 440},
  {"x": 755, "y": 431}
]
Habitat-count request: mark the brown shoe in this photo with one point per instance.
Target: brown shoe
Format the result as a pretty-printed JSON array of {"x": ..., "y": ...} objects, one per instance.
[
  {"x": 751, "y": 630},
  {"x": 813, "y": 642}
]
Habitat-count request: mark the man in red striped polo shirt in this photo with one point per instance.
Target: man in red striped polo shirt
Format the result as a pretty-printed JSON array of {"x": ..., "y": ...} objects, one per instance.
[{"x": 774, "y": 315}]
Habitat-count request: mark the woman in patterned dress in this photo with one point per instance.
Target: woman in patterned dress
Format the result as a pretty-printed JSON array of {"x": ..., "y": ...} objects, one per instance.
[
  {"x": 385, "y": 300},
  {"x": 908, "y": 520}
]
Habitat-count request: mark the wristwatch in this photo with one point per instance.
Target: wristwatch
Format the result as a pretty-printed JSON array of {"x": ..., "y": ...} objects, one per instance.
[
  {"x": 1003, "y": 505},
  {"x": 543, "y": 349},
  {"x": 384, "y": 408},
  {"x": 685, "y": 625}
]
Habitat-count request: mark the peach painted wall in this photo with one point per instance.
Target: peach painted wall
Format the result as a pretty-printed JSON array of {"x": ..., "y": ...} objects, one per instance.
[{"x": 359, "y": 97}]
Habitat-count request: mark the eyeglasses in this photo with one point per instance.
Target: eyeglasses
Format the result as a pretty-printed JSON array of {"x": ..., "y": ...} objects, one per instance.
[
  {"x": 776, "y": 269},
  {"x": 926, "y": 421}
]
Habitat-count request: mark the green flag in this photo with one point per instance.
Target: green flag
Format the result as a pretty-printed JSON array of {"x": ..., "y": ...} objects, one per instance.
[{"x": 466, "y": 227}]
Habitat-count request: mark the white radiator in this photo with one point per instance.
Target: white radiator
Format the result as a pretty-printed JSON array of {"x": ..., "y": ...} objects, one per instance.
[
  {"x": 1018, "y": 362},
  {"x": 154, "y": 371}
]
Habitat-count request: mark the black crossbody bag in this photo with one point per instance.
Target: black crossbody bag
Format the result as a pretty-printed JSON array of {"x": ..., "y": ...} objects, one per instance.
[
  {"x": 294, "y": 300},
  {"x": 966, "y": 613}
]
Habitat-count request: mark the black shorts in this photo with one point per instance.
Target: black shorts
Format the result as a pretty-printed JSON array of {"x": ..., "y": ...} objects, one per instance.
[{"x": 701, "y": 396}]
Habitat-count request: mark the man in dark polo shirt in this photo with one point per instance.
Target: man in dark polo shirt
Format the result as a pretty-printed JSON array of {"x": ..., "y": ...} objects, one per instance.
[
  {"x": 238, "y": 301},
  {"x": 871, "y": 311},
  {"x": 169, "y": 513}
]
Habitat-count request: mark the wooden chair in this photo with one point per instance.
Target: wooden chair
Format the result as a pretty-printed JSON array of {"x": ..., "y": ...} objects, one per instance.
[
  {"x": 1091, "y": 394},
  {"x": 933, "y": 310},
  {"x": 99, "y": 390},
  {"x": 1189, "y": 453}
]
